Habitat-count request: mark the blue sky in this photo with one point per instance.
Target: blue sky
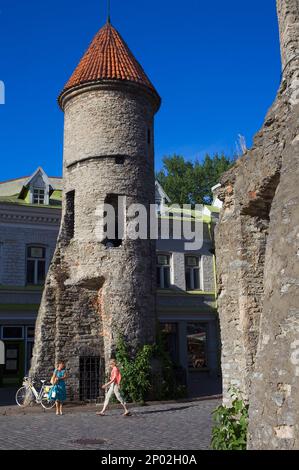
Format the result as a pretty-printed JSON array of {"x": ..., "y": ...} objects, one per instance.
[{"x": 216, "y": 65}]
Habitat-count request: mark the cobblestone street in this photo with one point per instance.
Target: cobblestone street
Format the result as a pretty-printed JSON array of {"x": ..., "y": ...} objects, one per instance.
[{"x": 175, "y": 426}]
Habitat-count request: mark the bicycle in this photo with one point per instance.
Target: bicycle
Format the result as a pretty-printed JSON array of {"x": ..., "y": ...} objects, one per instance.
[{"x": 28, "y": 393}]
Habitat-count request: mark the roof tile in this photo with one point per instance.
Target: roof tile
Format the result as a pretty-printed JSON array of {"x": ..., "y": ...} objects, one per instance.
[{"x": 108, "y": 58}]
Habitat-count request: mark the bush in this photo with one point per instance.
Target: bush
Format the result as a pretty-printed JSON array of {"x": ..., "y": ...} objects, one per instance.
[
  {"x": 231, "y": 424},
  {"x": 135, "y": 372},
  {"x": 138, "y": 379}
]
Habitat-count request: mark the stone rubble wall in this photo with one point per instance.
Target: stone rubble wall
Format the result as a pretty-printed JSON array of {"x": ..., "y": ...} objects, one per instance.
[
  {"x": 257, "y": 261},
  {"x": 93, "y": 293}
]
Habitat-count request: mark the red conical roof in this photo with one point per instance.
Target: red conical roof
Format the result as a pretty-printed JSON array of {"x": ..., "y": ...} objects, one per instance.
[{"x": 108, "y": 58}]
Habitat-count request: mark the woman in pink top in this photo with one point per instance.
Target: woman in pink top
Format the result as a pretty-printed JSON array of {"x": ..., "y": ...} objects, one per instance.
[{"x": 114, "y": 386}]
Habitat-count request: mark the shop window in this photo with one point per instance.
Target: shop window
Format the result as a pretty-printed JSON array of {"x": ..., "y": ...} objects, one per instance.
[
  {"x": 12, "y": 332},
  {"x": 197, "y": 337},
  {"x": 36, "y": 265},
  {"x": 163, "y": 271},
  {"x": 12, "y": 358},
  {"x": 30, "y": 332}
]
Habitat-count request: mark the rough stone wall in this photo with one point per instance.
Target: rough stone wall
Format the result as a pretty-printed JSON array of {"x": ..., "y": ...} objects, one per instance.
[
  {"x": 94, "y": 293},
  {"x": 208, "y": 276},
  {"x": 257, "y": 261}
]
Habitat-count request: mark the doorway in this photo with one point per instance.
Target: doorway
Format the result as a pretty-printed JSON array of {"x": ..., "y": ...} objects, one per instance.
[{"x": 90, "y": 377}]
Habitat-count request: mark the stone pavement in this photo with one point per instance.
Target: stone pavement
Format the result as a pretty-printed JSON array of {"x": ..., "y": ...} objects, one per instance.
[{"x": 172, "y": 426}]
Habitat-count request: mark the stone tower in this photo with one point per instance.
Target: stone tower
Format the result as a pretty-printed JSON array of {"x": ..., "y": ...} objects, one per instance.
[
  {"x": 257, "y": 261},
  {"x": 96, "y": 290}
]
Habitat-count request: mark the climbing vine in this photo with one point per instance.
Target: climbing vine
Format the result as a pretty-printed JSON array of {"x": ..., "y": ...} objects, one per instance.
[{"x": 135, "y": 371}]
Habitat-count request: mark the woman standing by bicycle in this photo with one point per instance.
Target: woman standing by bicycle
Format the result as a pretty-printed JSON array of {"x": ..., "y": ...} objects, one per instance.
[{"x": 58, "y": 391}]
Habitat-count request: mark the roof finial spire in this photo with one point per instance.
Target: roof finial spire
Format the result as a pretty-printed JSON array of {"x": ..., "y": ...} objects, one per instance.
[{"x": 108, "y": 12}]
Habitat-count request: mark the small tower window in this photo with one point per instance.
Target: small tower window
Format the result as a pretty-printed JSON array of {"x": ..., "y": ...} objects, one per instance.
[
  {"x": 70, "y": 215},
  {"x": 120, "y": 160},
  {"x": 149, "y": 136},
  {"x": 117, "y": 222}
]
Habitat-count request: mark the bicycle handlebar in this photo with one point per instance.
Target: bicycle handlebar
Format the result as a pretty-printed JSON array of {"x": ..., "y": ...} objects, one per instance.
[{"x": 33, "y": 379}]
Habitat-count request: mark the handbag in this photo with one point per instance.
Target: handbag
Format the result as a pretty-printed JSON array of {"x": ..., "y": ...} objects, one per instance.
[{"x": 54, "y": 379}]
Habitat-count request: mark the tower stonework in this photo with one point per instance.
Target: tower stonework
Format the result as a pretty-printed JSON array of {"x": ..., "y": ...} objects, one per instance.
[
  {"x": 257, "y": 245},
  {"x": 96, "y": 291}
]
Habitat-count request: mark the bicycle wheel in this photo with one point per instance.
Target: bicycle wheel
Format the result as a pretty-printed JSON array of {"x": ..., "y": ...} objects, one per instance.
[
  {"x": 24, "y": 396},
  {"x": 46, "y": 402}
]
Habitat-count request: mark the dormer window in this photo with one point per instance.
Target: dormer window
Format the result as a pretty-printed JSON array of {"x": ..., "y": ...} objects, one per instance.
[
  {"x": 161, "y": 199},
  {"x": 38, "y": 196},
  {"x": 37, "y": 189}
]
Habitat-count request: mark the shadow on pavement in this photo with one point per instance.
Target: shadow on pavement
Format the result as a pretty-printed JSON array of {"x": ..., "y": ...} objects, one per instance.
[{"x": 168, "y": 410}]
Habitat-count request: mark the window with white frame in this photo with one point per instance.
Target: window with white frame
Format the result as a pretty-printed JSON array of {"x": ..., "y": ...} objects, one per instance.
[
  {"x": 1, "y": 262},
  {"x": 36, "y": 265},
  {"x": 38, "y": 196},
  {"x": 192, "y": 272},
  {"x": 163, "y": 271}
]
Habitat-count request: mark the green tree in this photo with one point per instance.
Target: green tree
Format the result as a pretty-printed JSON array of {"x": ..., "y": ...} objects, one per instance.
[
  {"x": 186, "y": 182},
  {"x": 176, "y": 178}
]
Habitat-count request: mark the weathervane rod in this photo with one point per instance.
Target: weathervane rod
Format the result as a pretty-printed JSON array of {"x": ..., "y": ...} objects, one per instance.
[{"x": 108, "y": 12}]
